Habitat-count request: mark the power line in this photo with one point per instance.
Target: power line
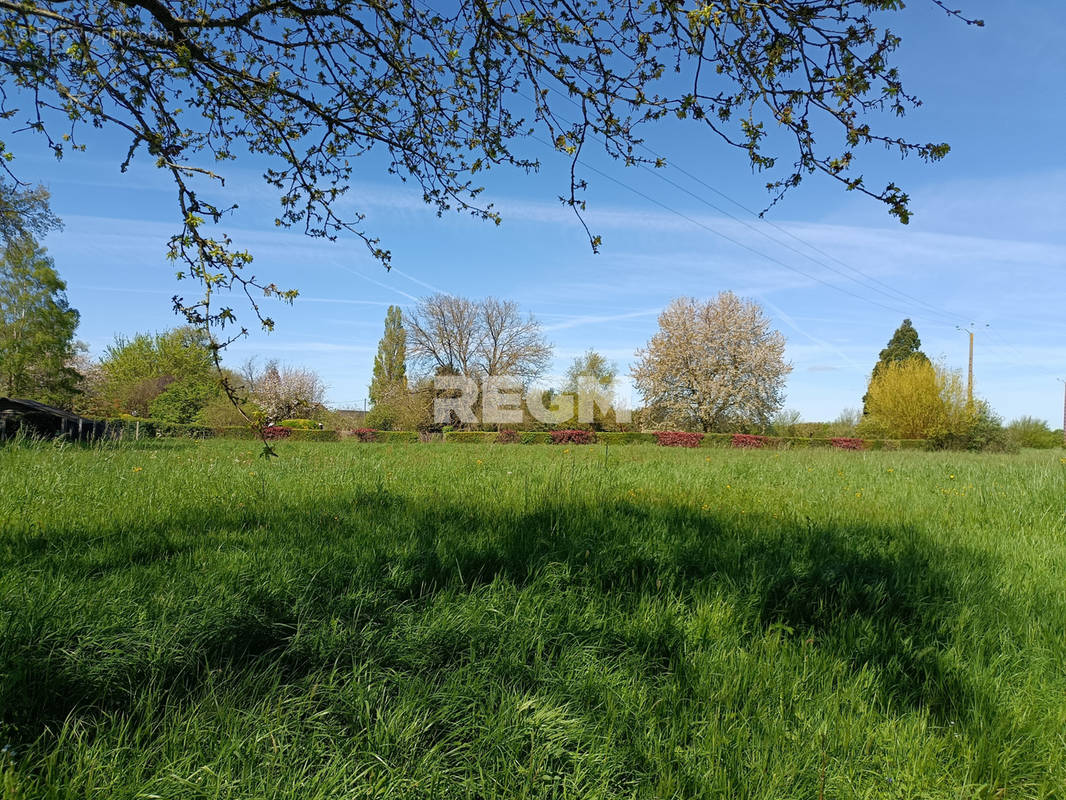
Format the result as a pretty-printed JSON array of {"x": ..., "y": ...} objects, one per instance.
[
  {"x": 995, "y": 335},
  {"x": 730, "y": 239},
  {"x": 891, "y": 291},
  {"x": 951, "y": 317},
  {"x": 791, "y": 235}
]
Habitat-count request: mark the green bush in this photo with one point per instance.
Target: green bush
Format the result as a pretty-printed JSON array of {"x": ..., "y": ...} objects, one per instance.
[
  {"x": 1033, "y": 433},
  {"x": 984, "y": 432},
  {"x": 381, "y": 417},
  {"x": 182, "y": 401},
  {"x": 299, "y": 424},
  {"x": 220, "y": 413}
]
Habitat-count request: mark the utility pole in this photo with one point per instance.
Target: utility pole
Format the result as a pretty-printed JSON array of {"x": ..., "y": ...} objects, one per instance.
[
  {"x": 969, "y": 372},
  {"x": 1063, "y": 412}
]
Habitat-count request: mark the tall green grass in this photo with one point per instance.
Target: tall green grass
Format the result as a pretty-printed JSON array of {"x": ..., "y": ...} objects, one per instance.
[{"x": 185, "y": 620}]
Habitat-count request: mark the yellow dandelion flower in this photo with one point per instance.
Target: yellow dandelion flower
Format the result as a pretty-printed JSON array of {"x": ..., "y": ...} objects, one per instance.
[{"x": 137, "y": 469}]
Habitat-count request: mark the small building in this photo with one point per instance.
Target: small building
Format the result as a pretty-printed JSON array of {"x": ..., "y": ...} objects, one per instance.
[{"x": 37, "y": 419}]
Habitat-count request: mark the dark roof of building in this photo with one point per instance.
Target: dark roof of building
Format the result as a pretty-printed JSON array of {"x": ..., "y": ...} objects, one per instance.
[{"x": 16, "y": 404}]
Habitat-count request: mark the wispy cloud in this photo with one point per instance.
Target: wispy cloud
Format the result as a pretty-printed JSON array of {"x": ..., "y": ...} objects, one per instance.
[
  {"x": 342, "y": 301},
  {"x": 806, "y": 334},
  {"x": 264, "y": 345},
  {"x": 599, "y": 319}
]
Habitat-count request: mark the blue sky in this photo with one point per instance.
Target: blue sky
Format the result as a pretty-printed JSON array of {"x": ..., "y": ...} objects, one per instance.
[{"x": 987, "y": 243}]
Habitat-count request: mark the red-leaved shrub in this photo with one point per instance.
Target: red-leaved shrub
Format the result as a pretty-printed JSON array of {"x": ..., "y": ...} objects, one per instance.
[
  {"x": 678, "y": 439},
  {"x": 507, "y": 437},
  {"x": 572, "y": 437},
  {"x": 276, "y": 432},
  {"x": 749, "y": 440},
  {"x": 365, "y": 434},
  {"x": 847, "y": 443}
]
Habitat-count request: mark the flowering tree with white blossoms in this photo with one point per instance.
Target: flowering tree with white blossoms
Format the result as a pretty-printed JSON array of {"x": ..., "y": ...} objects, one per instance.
[{"x": 713, "y": 365}]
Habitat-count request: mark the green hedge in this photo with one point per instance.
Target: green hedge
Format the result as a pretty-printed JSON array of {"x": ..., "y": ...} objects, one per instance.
[
  {"x": 303, "y": 435},
  {"x": 470, "y": 437},
  {"x": 127, "y": 428},
  {"x": 177, "y": 430},
  {"x": 396, "y": 437},
  {"x": 725, "y": 440},
  {"x": 630, "y": 437},
  {"x": 717, "y": 440},
  {"x": 535, "y": 437}
]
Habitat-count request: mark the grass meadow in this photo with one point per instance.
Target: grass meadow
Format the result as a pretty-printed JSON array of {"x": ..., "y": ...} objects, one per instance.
[{"x": 181, "y": 619}]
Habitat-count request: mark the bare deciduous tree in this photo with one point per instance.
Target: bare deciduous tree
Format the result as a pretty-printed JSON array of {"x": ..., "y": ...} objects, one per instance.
[
  {"x": 510, "y": 344},
  {"x": 713, "y": 365},
  {"x": 443, "y": 334},
  {"x": 457, "y": 336}
]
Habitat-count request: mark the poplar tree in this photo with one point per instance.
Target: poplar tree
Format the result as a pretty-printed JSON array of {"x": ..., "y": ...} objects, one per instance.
[{"x": 390, "y": 363}]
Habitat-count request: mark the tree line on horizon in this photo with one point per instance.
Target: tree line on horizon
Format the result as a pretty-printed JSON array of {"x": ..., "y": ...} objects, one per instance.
[{"x": 713, "y": 365}]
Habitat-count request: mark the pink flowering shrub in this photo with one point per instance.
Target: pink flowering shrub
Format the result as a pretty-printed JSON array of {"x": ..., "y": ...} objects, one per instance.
[
  {"x": 276, "y": 432},
  {"x": 847, "y": 443},
  {"x": 749, "y": 440},
  {"x": 678, "y": 439},
  {"x": 365, "y": 434}
]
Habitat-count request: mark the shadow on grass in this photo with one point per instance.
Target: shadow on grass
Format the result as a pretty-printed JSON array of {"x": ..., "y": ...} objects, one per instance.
[{"x": 883, "y": 601}]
